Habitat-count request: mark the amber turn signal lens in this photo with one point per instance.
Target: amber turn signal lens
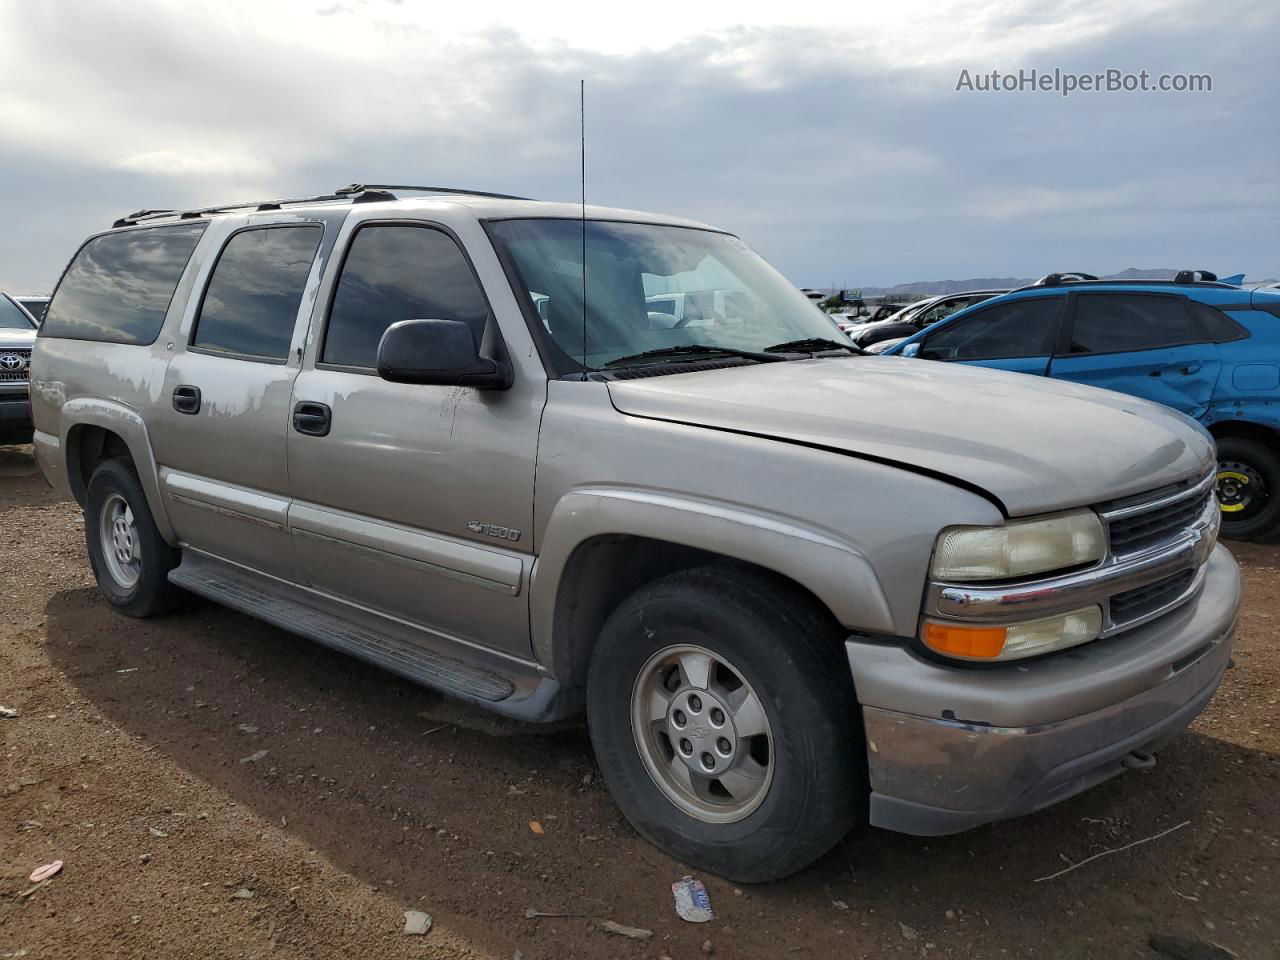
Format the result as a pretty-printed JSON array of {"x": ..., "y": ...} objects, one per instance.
[{"x": 984, "y": 643}]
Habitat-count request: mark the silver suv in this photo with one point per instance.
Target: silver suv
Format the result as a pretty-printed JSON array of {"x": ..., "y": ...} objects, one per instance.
[{"x": 453, "y": 436}]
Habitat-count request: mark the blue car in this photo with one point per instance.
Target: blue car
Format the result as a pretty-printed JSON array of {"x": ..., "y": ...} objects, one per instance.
[{"x": 1207, "y": 348}]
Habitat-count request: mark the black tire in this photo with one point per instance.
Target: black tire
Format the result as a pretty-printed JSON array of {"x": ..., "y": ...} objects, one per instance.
[
  {"x": 152, "y": 593},
  {"x": 1249, "y": 482},
  {"x": 793, "y": 660}
]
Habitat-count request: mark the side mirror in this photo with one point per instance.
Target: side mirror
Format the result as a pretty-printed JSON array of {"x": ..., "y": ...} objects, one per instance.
[
  {"x": 438, "y": 352},
  {"x": 911, "y": 350}
]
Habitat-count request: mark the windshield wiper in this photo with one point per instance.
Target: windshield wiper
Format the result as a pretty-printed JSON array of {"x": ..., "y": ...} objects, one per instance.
[
  {"x": 692, "y": 351},
  {"x": 812, "y": 344}
]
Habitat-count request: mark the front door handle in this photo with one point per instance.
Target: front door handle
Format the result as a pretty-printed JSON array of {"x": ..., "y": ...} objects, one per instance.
[
  {"x": 313, "y": 419},
  {"x": 186, "y": 399}
]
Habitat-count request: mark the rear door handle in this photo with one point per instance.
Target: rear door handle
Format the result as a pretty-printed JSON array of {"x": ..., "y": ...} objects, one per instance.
[
  {"x": 1184, "y": 369},
  {"x": 186, "y": 399},
  {"x": 313, "y": 419}
]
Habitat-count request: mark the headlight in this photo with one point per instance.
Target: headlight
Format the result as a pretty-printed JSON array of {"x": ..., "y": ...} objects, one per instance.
[
  {"x": 1018, "y": 549},
  {"x": 1013, "y": 641}
]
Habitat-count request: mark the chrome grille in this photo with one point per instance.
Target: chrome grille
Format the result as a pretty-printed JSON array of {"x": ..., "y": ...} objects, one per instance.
[
  {"x": 1135, "y": 604},
  {"x": 15, "y": 365},
  {"x": 1134, "y": 533}
]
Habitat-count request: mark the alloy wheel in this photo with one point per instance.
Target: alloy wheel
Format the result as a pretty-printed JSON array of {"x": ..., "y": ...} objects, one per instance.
[{"x": 702, "y": 733}]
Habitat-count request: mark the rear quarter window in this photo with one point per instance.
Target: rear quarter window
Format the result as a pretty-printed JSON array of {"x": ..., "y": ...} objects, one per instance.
[
  {"x": 118, "y": 287},
  {"x": 1218, "y": 327}
]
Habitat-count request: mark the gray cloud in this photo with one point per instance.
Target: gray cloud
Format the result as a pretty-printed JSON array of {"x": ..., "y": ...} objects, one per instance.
[{"x": 837, "y": 157}]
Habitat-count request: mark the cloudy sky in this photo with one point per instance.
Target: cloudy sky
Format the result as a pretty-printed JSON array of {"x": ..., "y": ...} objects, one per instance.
[{"x": 831, "y": 137}]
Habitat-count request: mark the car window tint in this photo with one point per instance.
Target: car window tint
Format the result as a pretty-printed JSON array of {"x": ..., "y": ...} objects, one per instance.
[
  {"x": 1021, "y": 328},
  {"x": 395, "y": 273},
  {"x": 11, "y": 317},
  {"x": 1217, "y": 326},
  {"x": 1118, "y": 323},
  {"x": 251, "y": 303},
  {"x": 119, "y": 285}
]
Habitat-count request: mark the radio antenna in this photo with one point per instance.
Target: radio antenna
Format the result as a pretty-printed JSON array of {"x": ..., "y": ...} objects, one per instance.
[{"x": 582, "y": 138}]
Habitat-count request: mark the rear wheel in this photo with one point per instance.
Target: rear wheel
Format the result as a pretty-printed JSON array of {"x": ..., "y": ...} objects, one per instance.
[
  {"x": 725, "y": 724},
  {"x": 1248, "y": 489},
  {"x": 130, "y": 559}
]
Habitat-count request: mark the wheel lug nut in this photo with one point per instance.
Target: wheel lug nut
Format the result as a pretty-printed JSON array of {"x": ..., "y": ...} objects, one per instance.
[
  {"x": 724, "y": 746},
  {"x": 695, "y": 703},
  {"x": 708, "y": 761},
  {"x": 686, "y": 748},
  {"x": 717, "y": 716},
  {"x": 678, "y": 718}
]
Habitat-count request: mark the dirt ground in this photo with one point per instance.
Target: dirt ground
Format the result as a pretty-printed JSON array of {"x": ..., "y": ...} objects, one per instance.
[{"x": 172, "y": 763}]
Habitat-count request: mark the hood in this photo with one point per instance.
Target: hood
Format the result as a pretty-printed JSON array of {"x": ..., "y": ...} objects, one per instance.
[
  {"x": 17, "y": 338},
  {"x": 1034, "y": 444}
]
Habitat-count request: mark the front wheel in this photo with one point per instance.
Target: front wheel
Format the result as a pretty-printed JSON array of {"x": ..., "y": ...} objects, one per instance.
[
  {"x": 725, "y": 725},
  {"x": 1248, "y": 489}
]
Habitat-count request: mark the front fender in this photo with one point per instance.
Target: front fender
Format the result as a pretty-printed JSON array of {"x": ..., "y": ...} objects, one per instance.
[
  {"x": 132, "y": 429},
  {"x": 834, "y": 570}
]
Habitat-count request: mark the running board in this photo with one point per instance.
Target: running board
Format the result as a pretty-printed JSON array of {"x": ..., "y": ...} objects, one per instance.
[{"x": 226, "y": 585}]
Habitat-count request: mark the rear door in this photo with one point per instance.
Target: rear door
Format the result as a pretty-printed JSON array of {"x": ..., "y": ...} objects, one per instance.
[
  {"x": 1151, "y": 345},
  {"x": 219, "y": 435},
  {"x": 1014, "y": 335}
]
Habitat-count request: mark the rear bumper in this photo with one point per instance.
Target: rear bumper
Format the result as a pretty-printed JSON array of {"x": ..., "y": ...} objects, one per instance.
[{"x": 952, "y": 748}]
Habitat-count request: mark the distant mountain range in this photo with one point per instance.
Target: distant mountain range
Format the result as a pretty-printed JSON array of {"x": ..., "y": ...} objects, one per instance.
[{"x": 932, "y": 288}]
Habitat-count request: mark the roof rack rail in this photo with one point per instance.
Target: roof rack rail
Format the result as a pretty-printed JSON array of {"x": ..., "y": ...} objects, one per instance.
[
  {"x": 357, "y": 188},
  {"x": 1057, "y": 279},
  {"x": 352, "y": 193},
  {"x": 358, "y": 196},
  {"x": 1190, "y": 276}
]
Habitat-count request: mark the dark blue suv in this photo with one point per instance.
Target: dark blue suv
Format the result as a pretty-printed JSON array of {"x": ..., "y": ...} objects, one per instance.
[{"x": 1208, "y": 349}]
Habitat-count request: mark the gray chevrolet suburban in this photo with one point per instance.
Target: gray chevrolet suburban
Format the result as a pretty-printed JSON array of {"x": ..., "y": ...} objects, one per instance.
[{"x": 450, "y": 435}]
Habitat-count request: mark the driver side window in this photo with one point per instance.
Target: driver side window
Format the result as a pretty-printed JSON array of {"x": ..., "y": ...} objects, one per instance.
[
  {"x": 398, "y": 272},
  {"x": 1022, "y": 328}
]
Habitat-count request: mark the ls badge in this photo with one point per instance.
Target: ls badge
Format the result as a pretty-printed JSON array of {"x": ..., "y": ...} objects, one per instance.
[{"x": 493, "y": 530}]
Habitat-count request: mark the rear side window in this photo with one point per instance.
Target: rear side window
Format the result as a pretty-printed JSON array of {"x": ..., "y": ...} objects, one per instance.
[
  {"x": 118, "y": 287},
  {"x": 1217, "y": 326},
  {"x": 1020, "y": 328},
  {"x": 251, "y": 304},
  {"x": 395, "y": 273},
  {"x": 1120, "y": 323}
]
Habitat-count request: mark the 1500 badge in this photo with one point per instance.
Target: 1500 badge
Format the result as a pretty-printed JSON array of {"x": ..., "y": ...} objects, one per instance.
[{"x": 493, "y": 530}]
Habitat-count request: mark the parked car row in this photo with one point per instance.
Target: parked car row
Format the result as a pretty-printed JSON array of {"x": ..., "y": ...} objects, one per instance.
[
  {"x": 875, "y": 336},
  {"x": 550, "y": 460},
  {"x": 1208, "y": 349}
]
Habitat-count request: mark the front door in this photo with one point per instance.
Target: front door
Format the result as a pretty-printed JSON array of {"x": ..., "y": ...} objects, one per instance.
[
  {"x": 220, "y": 436},
  {"x": 414, "y": 501},
  {"x": 1145, "y": 344},
  {"x": 1015, "y": 335}
]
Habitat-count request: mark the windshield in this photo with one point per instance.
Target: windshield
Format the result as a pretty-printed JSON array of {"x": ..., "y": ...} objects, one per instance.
[
  {"x": 13, "y": 317},
  {"x": 652, "y": 287}
]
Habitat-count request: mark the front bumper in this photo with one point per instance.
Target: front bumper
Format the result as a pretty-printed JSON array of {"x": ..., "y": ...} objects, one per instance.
[
  {"x": 15, "y": 414},
  {"x": 950, "y": 748}
]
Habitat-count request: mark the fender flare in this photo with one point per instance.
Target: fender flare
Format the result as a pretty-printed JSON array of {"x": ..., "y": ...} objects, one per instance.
[
  {"x": 834, "y": 570},
  {"x": 127, "y": 424}
]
